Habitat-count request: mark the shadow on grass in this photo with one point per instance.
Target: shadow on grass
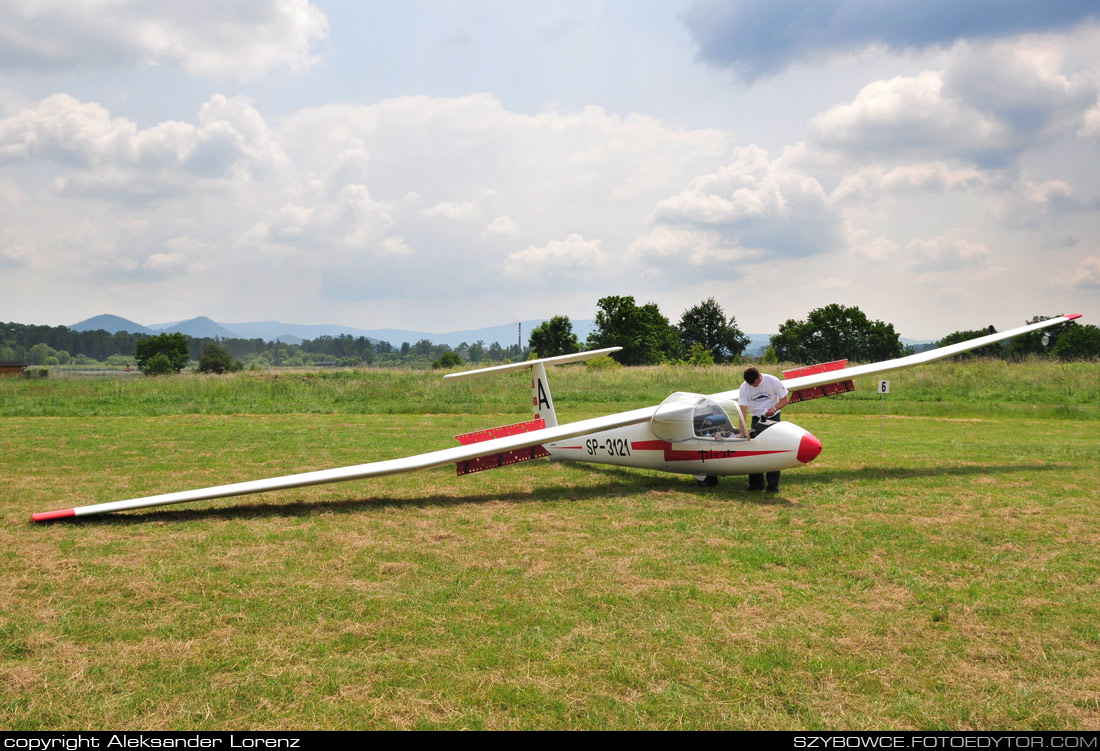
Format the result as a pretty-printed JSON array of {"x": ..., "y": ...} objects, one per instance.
[
  {"x": 621, "y": 481},
  {"x": 906, "y": 473}
]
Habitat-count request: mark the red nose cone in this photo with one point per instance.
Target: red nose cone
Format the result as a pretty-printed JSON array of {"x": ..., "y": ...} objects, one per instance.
[{"x": 808, "y": 449}]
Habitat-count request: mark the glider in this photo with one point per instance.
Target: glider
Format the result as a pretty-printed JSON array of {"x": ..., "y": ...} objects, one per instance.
[{"x": 707, "y": 436}]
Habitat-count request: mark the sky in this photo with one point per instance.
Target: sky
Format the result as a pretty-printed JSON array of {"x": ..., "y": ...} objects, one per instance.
[{"x": 438, "y": 165}]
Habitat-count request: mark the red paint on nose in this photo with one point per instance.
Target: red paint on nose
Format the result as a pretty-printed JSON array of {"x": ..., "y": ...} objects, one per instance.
[{"x": 808, "y": 448}]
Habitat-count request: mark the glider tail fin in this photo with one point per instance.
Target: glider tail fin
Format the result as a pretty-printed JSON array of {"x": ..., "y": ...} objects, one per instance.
[
  {"x": 540, "y": 386},
  {"x": 540, "y": 396}
]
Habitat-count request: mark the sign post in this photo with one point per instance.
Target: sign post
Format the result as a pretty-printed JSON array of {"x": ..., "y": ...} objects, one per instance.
[{"x": 883, "y": 390}]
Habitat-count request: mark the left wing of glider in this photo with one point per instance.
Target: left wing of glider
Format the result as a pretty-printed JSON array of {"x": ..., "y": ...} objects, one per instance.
[
  {"x": 362, "y": 471},
  {"x": 921, "y": 358}
]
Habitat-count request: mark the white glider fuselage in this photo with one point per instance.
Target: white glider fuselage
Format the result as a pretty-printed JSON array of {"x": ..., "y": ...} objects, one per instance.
[{"x": 784, "y": 445}]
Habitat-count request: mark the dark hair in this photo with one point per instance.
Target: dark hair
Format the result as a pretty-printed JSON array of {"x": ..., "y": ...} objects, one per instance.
[{"x": 751, "y": 375}]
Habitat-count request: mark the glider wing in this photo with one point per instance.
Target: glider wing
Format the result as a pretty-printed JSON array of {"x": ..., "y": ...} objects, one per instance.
[
  {"x": 372, "y": 469},
  {"x": 888, "y": 366}
]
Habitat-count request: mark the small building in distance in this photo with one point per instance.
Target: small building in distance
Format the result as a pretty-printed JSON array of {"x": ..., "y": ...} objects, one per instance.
[{"x": 11, "y": 367}]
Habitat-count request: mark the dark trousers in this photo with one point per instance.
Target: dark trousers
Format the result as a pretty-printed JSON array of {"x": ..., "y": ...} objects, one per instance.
[{"x": 757, "y": 481}]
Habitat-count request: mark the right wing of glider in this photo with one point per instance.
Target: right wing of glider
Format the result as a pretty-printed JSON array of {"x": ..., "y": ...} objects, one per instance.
[
  {"x": 888, "y": 366},
  {"x": 362, "y": 471}
]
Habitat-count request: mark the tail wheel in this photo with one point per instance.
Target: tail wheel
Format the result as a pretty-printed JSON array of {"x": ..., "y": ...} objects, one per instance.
[{"x": 707, "y": 482}]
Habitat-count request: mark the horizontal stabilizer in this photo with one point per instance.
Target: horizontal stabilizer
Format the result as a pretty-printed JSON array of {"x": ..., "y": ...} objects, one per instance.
[{"x": 559, "y": 360}]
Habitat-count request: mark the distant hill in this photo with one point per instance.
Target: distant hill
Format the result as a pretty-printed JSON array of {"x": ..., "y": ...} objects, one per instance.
[
  {"x": 111, "y": 324},
  {"x": 504, "y": 335},
  {"x": 198, "y": 328},
  {"x": 294, "y": 333}
]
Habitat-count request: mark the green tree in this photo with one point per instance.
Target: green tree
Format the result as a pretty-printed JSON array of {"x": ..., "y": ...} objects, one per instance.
[
  {"x": 158, "y": 364},
  {"x": 645, "y": 335},
  {"x": 699, "y": 355},
  {"x": 1079, "y": 343},
  {"x": 216, "y": 359},
  {"x": 554, "y": 337},
  {"x": 39, "y": 352},
  {"x": 990, "y": 350},
  {"x": 1019, "y": 347},
  {"x": 447, "y": 360},
  {"x": 836, "y": 332},
  {"x": 173, "y": 347},
  {"x": 477, "y": 351},
  {"x": 706, "y": 324}
]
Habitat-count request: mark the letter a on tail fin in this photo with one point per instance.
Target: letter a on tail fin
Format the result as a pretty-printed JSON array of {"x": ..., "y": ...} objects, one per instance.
[
  {"x": 541, "y": 400},
  {"x": 540, "y": 396}
]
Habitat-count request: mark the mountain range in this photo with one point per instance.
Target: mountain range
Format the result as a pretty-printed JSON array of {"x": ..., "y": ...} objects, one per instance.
[{"x": 294, "y": 333}]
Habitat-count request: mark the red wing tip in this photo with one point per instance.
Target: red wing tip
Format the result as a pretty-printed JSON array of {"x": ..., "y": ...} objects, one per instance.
[
  {"x": 1071, "y": 316},
  {"x": 46, "y": 516}
]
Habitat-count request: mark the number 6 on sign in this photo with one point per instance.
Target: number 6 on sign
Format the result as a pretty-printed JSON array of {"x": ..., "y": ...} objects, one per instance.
[{"x": 884, "y": 387}]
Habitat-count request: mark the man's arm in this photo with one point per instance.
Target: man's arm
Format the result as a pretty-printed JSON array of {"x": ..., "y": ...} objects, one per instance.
[{"x": 778, "y": 406}]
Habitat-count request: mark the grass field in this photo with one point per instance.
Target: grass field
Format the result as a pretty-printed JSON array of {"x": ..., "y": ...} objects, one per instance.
[{"x": 933, "y": 568}]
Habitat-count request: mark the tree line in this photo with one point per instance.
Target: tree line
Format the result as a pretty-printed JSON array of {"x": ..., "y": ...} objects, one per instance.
[
  {"x": 704, "y": 335},
  {"x": 59, "y": 345}
]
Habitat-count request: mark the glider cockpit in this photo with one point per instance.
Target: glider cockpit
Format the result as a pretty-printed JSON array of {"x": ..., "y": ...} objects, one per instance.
[{"x": 691, "y": 417}]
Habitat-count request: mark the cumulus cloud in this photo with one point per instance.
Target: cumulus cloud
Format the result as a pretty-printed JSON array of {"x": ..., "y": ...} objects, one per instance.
[
  {"x": 757, "y": 39},
  {"x": 454, "y": 210},
  {"x": 502, "y": 226},
  {"x": 946, "y": 253},
  {"x": 754, "y": 202},
  {"x": 15, "y": 250},
  {"x": 572, "y": 257},
  {"x": 672, "y": 254},
  {"x": 871, "y": 182},
  {"x": 1021, "y": 82},
  {"x": 112, "y": 156},
  {"x": 348, "y": 218},
  {"x": 992, "y": 101},
  {"x": 908, "y": 115},
  {"x": 1090, "y": 124},
  {"x": 1032, "y": 204},
  {"x": 1087, "y": 275},
  {"x": 244, "y": 40},
  {"x": 347, "y": 203},
  {"x": 862, "y": 245}
]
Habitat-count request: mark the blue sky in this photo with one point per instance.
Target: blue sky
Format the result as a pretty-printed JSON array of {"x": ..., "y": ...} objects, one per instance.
[{"x": 451, "y": 165}]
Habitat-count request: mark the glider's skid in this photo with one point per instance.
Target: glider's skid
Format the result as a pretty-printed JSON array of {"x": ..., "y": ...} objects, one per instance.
[{"x": 686, "y": 434}]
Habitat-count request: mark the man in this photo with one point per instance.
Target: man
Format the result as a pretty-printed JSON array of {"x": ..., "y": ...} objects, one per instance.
[{"x": 764, "y": 395}]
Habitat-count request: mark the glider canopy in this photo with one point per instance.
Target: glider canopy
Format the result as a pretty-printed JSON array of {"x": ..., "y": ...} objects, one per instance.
[{"x": 685, "y": 417}]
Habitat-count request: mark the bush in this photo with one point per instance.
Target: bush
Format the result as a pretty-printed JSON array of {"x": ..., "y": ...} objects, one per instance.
[
  {"x": 216, "y": 359},
  {"x": 158, "y": 364},
  {"x": 162, "y": 354},
  {"x": 699, "y": 356},
  {"x": 599, "y": 363},
  {"x": 1078, "y": 343},
  {"x": 447, "y": 360}
]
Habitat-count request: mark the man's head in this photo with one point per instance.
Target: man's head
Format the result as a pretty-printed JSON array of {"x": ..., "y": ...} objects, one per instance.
[{"x": 752, "y": 376}]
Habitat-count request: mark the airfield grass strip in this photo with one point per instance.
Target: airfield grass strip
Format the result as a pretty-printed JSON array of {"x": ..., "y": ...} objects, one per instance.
[
  {"x": 989, "y": 387},
  {"x": 943, "y": 578}
]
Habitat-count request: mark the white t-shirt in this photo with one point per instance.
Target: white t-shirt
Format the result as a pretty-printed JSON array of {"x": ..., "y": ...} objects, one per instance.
[{"x": 759, "y": 399}]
